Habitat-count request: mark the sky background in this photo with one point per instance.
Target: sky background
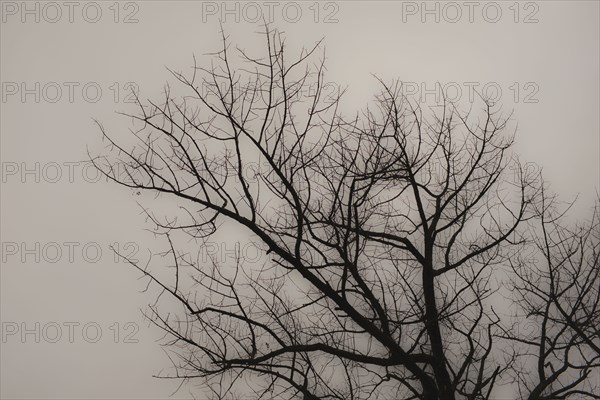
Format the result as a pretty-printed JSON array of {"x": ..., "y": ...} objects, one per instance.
[{"x": 61, "y": 67}]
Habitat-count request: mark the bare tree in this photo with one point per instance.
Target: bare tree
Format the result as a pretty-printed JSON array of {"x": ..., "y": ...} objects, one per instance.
[
  {"x": 557, "y": 290},
  {"x": 386, "y": 234}
]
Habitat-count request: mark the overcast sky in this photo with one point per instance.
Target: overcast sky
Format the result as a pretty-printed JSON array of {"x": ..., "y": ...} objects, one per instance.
[{"x": 64, "y": 64}]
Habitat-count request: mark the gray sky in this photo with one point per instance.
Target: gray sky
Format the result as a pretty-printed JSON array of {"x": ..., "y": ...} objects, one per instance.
[{"x": 59, "y": 69}]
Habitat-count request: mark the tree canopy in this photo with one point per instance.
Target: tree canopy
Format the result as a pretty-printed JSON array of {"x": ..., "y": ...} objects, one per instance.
[{"x": 408, "y": 252}]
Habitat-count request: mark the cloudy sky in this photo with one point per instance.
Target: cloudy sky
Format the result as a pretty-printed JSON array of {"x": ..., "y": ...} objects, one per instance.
[{"x": 70, "y": 312}]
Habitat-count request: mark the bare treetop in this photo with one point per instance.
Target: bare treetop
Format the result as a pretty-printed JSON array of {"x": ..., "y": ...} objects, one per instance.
[{"x": 389, "y": 237}]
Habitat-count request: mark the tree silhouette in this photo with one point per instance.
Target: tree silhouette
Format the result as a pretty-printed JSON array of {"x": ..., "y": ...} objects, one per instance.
[
  {"x": 558, "y": 301},
  {"x": 387, "y": 239}
]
